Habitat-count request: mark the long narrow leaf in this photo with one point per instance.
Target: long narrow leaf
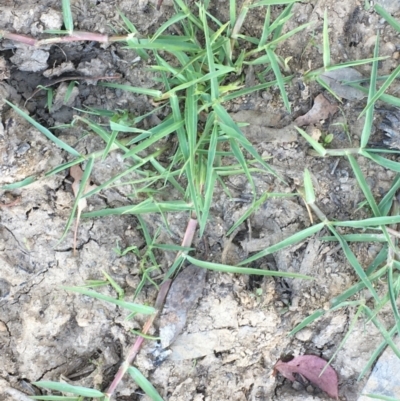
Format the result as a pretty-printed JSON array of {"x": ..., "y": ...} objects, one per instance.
[
  {"x": 293, "y": 239},
  {"x": 44, "y": 131},
  {"x": 244, "y": 270},
  {"x": 144, "y": 384},
  {"x": 143, "y": 309},
  {"x": 68, "y": 388}
]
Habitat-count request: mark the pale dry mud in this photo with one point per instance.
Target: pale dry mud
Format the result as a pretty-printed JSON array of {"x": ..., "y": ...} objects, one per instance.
[{"x": 239, "y": 328}]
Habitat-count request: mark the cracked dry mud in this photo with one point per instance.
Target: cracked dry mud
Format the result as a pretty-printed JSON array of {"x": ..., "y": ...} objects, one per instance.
[{"x": 239, "y": 327}]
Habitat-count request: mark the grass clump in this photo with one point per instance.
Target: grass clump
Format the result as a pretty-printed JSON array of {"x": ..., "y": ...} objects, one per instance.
[{"x": 197, "y": 73}]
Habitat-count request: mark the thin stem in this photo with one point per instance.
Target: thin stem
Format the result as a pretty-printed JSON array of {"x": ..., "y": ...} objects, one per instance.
[{"x": 162, "y": 293}]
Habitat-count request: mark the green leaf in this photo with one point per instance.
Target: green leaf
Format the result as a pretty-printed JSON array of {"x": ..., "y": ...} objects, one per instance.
[
  {"x": 144, "y": 384},
  {"x": 369, "y": 116},
  {"x": 54, "y": 398},
  {"x": 308, "y": 320},
  {"x": 44, "y": 131},
  {"x": 67, "y": 16},
  {"x": 279, "y": 78},
  {"x": 142, "y": 91},
  {"x": 392, "y": 21},
  {"x": 308, "y": 187},
  {"x": 20, "y": 184},
  {"x": 143, "y": 309},
  {"x": 244, "y": 270},
  {"x": 317, "y": 146},
  {"x": 293, "y": 239},
  {"x": 68, "y": 388}
]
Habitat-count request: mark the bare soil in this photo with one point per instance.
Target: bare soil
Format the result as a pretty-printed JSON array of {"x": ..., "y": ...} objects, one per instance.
[{"x": 239, "y": 327}]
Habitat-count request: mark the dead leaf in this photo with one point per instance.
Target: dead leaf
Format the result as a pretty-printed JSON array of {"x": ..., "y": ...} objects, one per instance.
[
  {"x": 315, "y": 133},
  {"x": 311, "y": 366},
  {"x": 76, "y": 173},
  {"x": 321, "y": 110},
  {"x": 185, "y": 291},
  {"x": 335, "y": 78}
]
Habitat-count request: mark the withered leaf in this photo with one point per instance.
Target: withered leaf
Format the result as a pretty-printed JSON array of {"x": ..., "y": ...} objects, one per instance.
[
  {"x": 311, "y": 366},
  {"x": 185, "y": 291},
  {"x": 76, "y": 173},
  {"x": 321, "y": 110}
]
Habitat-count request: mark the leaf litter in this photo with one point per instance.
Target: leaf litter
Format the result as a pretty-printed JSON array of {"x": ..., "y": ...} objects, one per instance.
[
  {"x": 76, "y": 173},
  {"x": 184, "y": 293},
  {"x": 311, "y": 366},
  {"x": 321, "y": 110}
]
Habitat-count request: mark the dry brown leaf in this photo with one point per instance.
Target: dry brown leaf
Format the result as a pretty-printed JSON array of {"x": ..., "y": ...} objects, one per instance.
[
  {"x": 185, "y": 291},
  {"x": 76, "y": 173},
  {"x": 311, "y": 366},
  {"x": 321, "y": 110}
]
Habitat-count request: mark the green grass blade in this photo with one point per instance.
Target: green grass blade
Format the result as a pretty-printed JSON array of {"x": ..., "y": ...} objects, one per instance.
[
  {"x": 317, "y": 146},
  {"x": 356, "y": 288},
  {"x": 244, "y": 270},
  {"x": 393, "y": 295},
  {"x": 386, "y": 203},
  {"x": 81, "y": 191},
  {"x": 252, "y": 208},
  {"x": 137, "y": 308},
  {"x": 357, "y": 238},
  {"x": 145, "y": 207},
  {"x": 210, "y": 56},
  {"x": 383, "y": 331},
  {"x": 381, "y": 90},
  {"x": 308, "y": 320},
  {"x": 272, "y": 3},
  {"x": 44, "y": 131},
  {"x": 356, "y": 265},
  {"x": 266, "y": 31},
  {"x": 157, "y": 133},
  {"x": 364, "y": 186},
  {"x": 131, "y": 28},
  {"x": 144, "y": 384},
  {"x": 20, "y": 184},
  {"x": 141, "y": 91},
  {"x": 54, "y": 398},
  {"x": 345, "y": 338},
  {"x": 173, "y": 20},
  {"x": 279, "y": 78},
  {"x": 67, "y": 388},
  {"x": 383, "y": 13},
  {"x": 308, "y": 187},
  {"x": 376, "y": 354},
  {"x": 171, "y": 44},
  {"x": 114, "y": 285},
  {"x": 293, "y": 239},
  {"x": 369, "y": 116},
  {"x": 371, "y": 222},
  {"x": 67, "y": 16},
  {"x": 382, "y": 161},
  {"x": 381, "y": 397}
]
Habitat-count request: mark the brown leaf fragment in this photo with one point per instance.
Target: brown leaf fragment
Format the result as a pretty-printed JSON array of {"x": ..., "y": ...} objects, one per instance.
[
  {"x": 76, "y": 173},
  {"x": 311, "y": 366},
  {"x": 321, "y": 110},
  {"x": 184, "y": 293}
]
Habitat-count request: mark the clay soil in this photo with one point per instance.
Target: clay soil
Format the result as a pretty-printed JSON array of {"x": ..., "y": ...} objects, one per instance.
[{"x": 239, "y": 327}]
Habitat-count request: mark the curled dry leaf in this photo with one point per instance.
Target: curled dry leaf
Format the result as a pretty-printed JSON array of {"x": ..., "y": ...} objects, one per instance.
[
  {"x": 76, "y": 173},
  {"x": 311, "y": 366},
  {"x": 185, "y": 291},
  {"x": 321, "y": 110}
]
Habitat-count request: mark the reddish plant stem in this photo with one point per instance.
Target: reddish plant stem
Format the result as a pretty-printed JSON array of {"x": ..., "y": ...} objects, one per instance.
[
  {"x": 76, "y": 36},
  {"x": 162, "y": 293},
  {"x": 134, "y": 350}
]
